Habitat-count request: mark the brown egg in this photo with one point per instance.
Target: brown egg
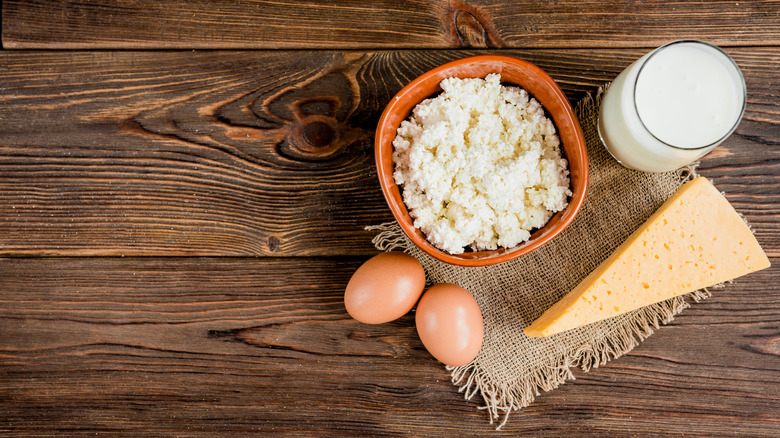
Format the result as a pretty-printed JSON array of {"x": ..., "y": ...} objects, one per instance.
[
  {"x": 384, "y": 288},
  {"x": 449, "y": 323}
]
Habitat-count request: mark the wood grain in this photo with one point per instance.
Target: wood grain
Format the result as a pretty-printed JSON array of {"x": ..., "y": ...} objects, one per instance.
[
  {"x": 177, "y": 226},
  {"x": 263, "y": 153},
  {"x": 205, "y": 346},
  {"x": 352, "y": 24}
]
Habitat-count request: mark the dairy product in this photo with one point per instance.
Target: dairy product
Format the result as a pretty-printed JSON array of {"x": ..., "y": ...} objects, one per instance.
[
  {"x": 480, "y": 166},
  {"x": 695, "y": 240},
  {"x": 672, "y": 106}
]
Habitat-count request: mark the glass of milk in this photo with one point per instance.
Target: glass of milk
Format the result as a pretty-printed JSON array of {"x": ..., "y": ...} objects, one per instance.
[{"x": 672, "y": 106}]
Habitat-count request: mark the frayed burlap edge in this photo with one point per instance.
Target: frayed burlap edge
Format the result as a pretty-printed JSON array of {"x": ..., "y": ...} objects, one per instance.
[{"x": 502, "y": 399}]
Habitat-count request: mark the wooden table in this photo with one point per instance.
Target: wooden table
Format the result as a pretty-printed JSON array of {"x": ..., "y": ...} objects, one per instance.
[{"x": 184, "y": 187}]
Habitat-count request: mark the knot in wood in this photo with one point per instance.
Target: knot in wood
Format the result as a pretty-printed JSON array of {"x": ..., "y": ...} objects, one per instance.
[
  {"x": 318, "y": 134},
  {"x": 315, "y": 139},
  {"x": 471, "y": 25},
  {"x": 470, "y": 31},
  {"x": 273, "y": 243}
]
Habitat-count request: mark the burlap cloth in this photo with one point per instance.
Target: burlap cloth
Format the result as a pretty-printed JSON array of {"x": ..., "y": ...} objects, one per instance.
[{"x": 511, "y": 368}]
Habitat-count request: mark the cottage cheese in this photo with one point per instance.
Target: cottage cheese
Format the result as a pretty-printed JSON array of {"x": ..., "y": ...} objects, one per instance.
[{"x": 480, "y": 166}]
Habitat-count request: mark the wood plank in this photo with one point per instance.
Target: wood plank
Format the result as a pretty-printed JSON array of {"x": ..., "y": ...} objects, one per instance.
[
  {"x": 204, "y": 153},
  {"x": 204, "y": 346},
  {"x": 354, "y": 24}
]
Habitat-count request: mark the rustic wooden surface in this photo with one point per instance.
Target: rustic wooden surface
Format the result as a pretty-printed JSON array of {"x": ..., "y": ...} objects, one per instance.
[
  {"x": 177, "y": 227},
  {"x": 179, "y": 346},
  {"x": 389, "y": 24},
  {"x": 204, "y": 153}
]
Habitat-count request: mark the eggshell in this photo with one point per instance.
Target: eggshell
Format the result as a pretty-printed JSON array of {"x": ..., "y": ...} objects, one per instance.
[
  {"x": 384, "y": 288},
  {"x": 449, "y": 323}
]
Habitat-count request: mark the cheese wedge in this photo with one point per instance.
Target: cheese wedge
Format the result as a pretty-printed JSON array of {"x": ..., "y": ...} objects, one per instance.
[{"x": 695, "y": 240}]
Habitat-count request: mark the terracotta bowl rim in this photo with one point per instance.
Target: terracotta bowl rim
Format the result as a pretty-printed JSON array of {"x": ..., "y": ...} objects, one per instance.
[{"x": 481, "y": 258}]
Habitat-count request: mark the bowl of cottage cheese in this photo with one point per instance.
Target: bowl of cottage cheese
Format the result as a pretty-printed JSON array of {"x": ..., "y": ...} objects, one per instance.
[{"x": 481, "y": 160}]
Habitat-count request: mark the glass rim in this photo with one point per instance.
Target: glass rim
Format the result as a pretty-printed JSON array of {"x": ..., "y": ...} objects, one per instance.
[{"x": 741, "y": 81}]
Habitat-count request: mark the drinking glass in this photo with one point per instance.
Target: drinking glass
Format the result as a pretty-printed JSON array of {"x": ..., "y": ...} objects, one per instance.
[{"x": 672, "y": 106}]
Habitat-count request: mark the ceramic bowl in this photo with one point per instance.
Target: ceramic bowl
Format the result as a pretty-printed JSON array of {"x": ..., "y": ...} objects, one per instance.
[{"x": 513, "y": 71}]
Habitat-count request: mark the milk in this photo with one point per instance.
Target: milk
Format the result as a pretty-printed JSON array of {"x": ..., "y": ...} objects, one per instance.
[{"x": 672, "y": 106}]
